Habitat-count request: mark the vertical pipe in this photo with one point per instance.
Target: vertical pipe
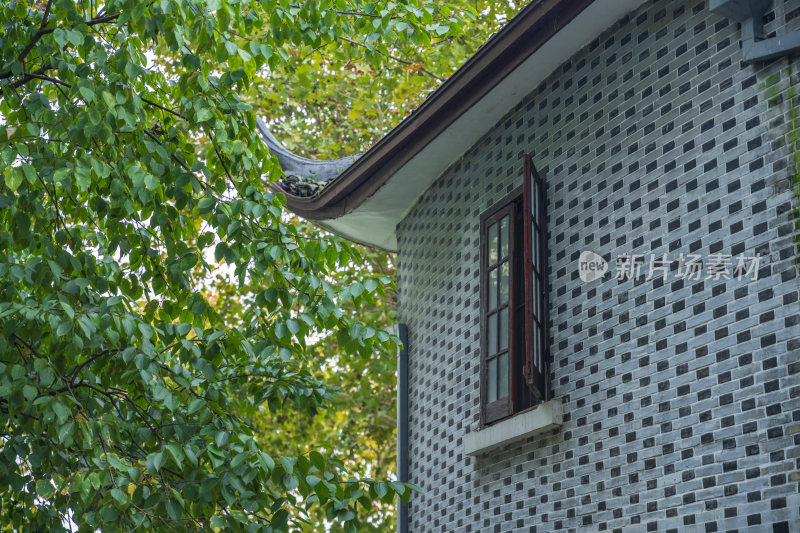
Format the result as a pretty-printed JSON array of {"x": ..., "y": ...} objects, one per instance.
[{"x": 402, "y": 424}]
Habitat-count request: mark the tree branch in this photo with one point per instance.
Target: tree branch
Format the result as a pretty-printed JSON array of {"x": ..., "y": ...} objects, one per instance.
[
  {"x": 145, "y": 100},
  {"x": 172, "y": 155},
  {"x": 28, "y": 76},
  {"x": 38, "y": 35},
  {"x": 54, "y": 81},
  {"x": 87, "y": 362},
  {"x": 389, "y": 56}
]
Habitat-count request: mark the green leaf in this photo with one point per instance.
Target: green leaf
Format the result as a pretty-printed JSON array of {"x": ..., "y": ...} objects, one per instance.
[
  {"x": 206, "y": 205},
  {"x": 317, "y": 460},
  {"x": 64, "y": 327},
  {"x": 414, "y": 488},
  {"x": 195, "y": 405},
  {"x": 398, "y": 487},
  {"x": 155, "y": 461},
  {"x": 356, "y": 289},
  {"x": 290, "y": 482},
  {"x": 176, "y": 452},
  {"x": 61, "y": 411},
  {"x": 17, "y": 372},
  {"x": 151, "y": 182},
  {"x": 46, "y": 377},
  {"x": 231, "y": 48},
  {"x": 322, "y": 490},
  {"x": 198, "y": 307},
  {"x": 29, "y": 173},
  {"x": 287, "y": 463},
  {"x": 221, "y": 251},
  {"x": 145, "y": 330},
  {"x": 109, "y": 100},
  {"x": 60, "y": 175},
  {"x": 266, "y": 462},
  {"x": 74, "y": 37},
  {"x": 13, "y": 177},
  {"x": 134, "y": 473},
  {"x": 203, "y": 115},
  {"x": 293, "y": 325},
  {"x": 44, "y": 489},
  {"x": 87, "y": 94},
  {"x": 119, "y": 496},
  {"x": 239, "y": 459},
  {"x": 65, "y": 306},
  {"x": 65, "y": 432},
  {"x": 29, "y": 392}
]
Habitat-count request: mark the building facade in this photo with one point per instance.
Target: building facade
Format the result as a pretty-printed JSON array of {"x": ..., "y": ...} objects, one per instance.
[{"x": 680, "y": 393}]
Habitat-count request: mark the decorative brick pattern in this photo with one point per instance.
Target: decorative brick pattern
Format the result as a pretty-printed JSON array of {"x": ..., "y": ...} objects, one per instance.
[{"x": 681, "y": 398}]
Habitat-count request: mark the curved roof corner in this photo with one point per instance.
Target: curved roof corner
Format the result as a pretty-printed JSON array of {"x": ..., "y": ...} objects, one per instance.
[{"x": 303, "y": 177}]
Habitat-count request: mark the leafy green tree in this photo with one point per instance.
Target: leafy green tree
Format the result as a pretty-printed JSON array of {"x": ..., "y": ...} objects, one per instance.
[
  {"x": 357, "y": 428},
  {"x": 127, "y": 398},
  {"x": 328, "y": 102}
]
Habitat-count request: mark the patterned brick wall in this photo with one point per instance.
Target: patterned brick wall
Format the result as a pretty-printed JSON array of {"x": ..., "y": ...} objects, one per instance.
[{"x": 682, "y": 398}]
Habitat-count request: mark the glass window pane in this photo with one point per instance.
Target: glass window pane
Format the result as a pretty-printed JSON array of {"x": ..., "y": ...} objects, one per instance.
[
  {"x": 491, "y": 380},
  {"x": 492, "y": 289},
  {"x": 539, "y": 258},
  {"x": 502, "y": 370},
  {"x": 536, "y": 297},
  {"x": 503, "y": 333},
  {"x": 536, "y": 348},
  {"x": 504, "y": 237},
  {"x": 492, "y": 244},
  {"x": 491, "y": 324},
  {"x": 504, "y": 283},
  {"x": 535, "y": 247},
  {"x": 534, "y": 199}
]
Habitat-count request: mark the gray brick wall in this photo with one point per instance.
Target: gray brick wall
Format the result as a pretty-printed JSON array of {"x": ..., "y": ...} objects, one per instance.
[{"x": 681, "y": 397}]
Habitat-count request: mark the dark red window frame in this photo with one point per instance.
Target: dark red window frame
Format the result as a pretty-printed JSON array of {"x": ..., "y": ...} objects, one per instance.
[
  {"x": 534, "y": 222},
  {"x": 521, "y": 254}
]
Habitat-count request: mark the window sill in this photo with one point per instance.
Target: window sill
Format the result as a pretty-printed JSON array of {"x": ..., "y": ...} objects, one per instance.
[{"x": 547, "y": 416}]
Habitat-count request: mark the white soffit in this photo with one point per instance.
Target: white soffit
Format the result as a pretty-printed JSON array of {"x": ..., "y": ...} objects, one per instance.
[{"x": 375, "y": 220}]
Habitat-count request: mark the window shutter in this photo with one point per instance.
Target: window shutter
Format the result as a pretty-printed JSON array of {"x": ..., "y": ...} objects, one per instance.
[{"x": 535, "y": 369}]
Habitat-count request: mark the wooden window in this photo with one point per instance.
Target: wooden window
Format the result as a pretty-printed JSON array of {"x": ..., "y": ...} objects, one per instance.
[
  {"x": 513, "y": 302},
  {"x": 536, "y": 369}
]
